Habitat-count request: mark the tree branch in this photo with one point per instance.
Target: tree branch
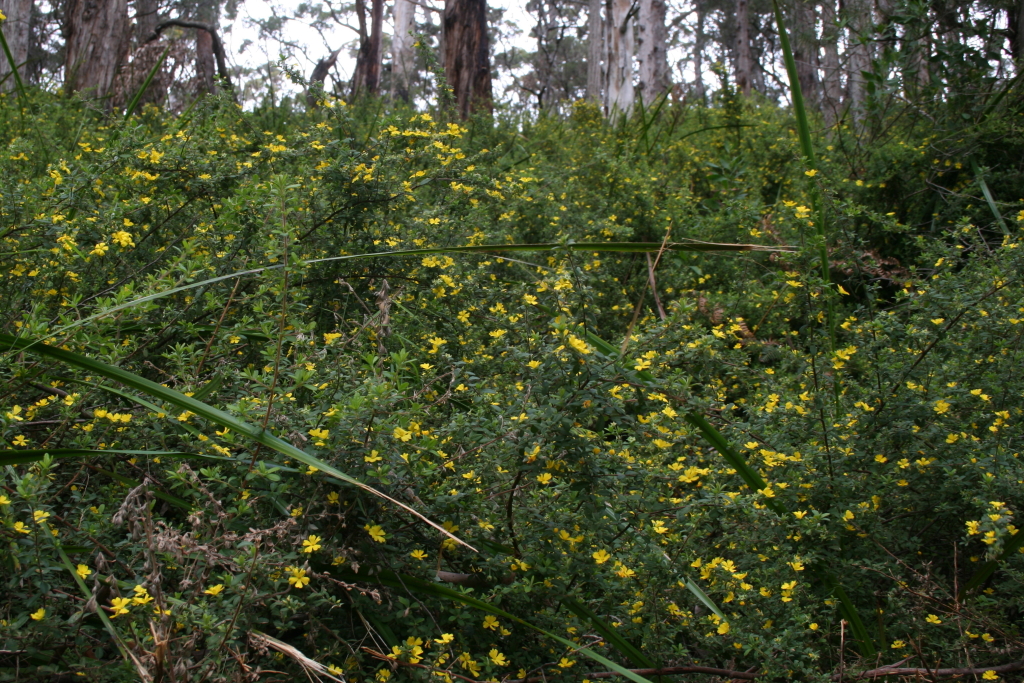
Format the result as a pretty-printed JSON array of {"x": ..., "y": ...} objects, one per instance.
[
  {"x": 892, "y": 670},
  {"x": 218, "y": 46}
]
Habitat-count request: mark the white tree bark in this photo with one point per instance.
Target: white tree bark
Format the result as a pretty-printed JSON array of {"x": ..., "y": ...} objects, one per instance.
[
  {"x": 859, "y": 54},
  {"x": 595, "y": 50},
  {"x": 744, "y": 61},
  {"x": 16, "y": 31},
  {"x": 831, "y": 71},
  {"x": 620, "y": 93},
  {"x": 403, "y": 54},
  {"x": 652, "y": 51}
]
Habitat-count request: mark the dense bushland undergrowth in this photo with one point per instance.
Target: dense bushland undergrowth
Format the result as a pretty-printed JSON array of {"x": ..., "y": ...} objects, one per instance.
[{"x": 288, "y": 282}]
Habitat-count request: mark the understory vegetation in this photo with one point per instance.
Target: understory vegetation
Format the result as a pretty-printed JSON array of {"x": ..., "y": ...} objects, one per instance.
[{"x": 395, "y": 397}]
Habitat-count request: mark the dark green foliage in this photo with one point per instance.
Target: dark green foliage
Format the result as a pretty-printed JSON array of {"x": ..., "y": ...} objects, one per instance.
[{"x": 656, "y": 454}]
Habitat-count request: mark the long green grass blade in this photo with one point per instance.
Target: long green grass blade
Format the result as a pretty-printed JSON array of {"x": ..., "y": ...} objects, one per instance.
[
  {"x": 166, "y": 497},
  {"x": 980, "y": 177},
  {"x": 624, "y": 247},
  {"x": 203, "y": 410},
  {"x": 145, "y": 84},
  {"x": 803, "y": 127},
  {"x": 608, "y": 633},
  {"x": 404, "y": 581},
  {"x": 22, "y": 457},
  {"x": 986, "y": 570},
  {"x": 14, "y": 68}
]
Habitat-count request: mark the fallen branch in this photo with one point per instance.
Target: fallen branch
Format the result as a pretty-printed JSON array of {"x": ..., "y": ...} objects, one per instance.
[{"x": 893, "y": 670}]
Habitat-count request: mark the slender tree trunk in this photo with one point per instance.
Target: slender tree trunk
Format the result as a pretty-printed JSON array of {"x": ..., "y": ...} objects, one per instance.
[
  {"x": 831, "y": 82},
  {"x": 859, "y": 57},
  {"x": 698, "y": 52},
  {"x": 205, "y": 59},
  {"x": 595, "y": 48},
  {"x": 620, "y": 93},
  {"x": 366, "y": 78},
  {"x": 317, "y": 78},
  {"x": 1015, "y": 19},
  {"x": 96, "y": 43},
  {"x": 653, "y": 50},
  {"x": 744, "y": 61},
  {"x": 805, "y": 51},
  {"x": 403, "y": 54},
  {"x": 17, "y": 31},
  {"x": 467, "y": 59}
]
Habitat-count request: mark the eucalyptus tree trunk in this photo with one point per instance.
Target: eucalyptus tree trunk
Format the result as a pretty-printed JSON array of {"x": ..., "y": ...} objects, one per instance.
[
  {"x": 467, "y": 62},
  {"x": 403, "y": 52},
  {"x": 206, "y": 63},
  {"x": 1015, "y": 19},
  {"x": 96, "y": 42},
  {"x": 366, "y": 78},
  {"x": 17, "y": 30},
  {"x": 805, "y": 51},
  {"x": 595, "y": 50},
  {"x": 744, "y": 61},
  {"x": 698, "y": 51},
  {"x": 859, "y": 54},
  {"x": 653, "y": 51},
  {"x": 832, "y": 74},
  {"x": 619, "y": 94}
]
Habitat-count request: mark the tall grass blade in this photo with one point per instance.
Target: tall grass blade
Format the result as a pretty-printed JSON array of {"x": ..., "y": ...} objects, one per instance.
[
  {"x": 803, "y": 128},
  {"x": 145, "y": 84},
  {"x": 624, "y": 247},
  {"x": 986, "y": 570},
  {"x": 756, "y": 482},
  {"x": 404, "y": 581},
  {"x": 608, "y": 633},
  {"x": 203, "y": 410},
  {"x": 22, "y": 95},
  {"x": 980, "y": 177},
  {"x": 23, "y": 457}
]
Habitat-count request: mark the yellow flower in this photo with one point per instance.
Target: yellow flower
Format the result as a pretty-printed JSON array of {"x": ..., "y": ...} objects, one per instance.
[
  {"x": 402, "y": 434},
  {"x": 4, "y": 500},
  {"x": 810, "y": 174},
  {"x": 298, "y": 577},
  {"x": 333, "y": 497},
  {"x": 990, "y": 675},
  {"x": 898, "y": 645},
  {"x": 497, "y": 334},
  {"x": 40, "y": 516},
  {"x": 601, "y": 556},
  {"x": 311, "y": 544},
  {"x": 941, "y": 406},
  {"x": 20, "y": 440},
  {"x": 491, "y": 622},
  {"x": 21, "y": 528},
  {"x": 932, "y": 619},
  {"x": 418, "y": 554},
  {"x": 119, "y": 606},
  {"x": 123, "y": 238},
  {"x": 800, "y": 514},
  {"x": 214, "y": 590},
  {"x": 723, "y": 628},
  {"x": 39, "y": 614},
  {"x": 533, "y": 364},
  {"x": 83, "y": 571},
  {"x": 497, "y": 658},
  {"x": 813, "y": 627},
  {"x": 444, "y": 639},
  {"x": 376, "y": 533},
  {"x": 544, "y": 478}
]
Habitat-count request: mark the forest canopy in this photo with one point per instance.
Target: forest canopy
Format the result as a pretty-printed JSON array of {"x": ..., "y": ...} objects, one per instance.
[{"x": 534, "y": 365}]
